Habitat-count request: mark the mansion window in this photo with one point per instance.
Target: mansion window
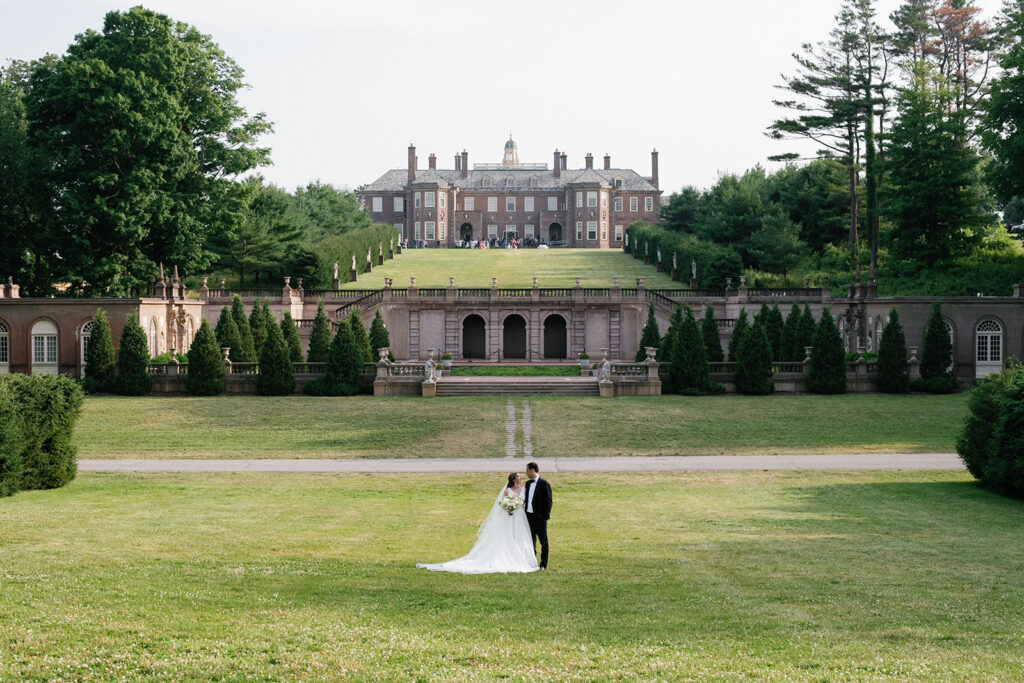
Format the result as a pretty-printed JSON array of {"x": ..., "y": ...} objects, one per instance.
[
  {"x": 591, "y": 230},
  {"x": 492, "y": 230},
  {"x": 428, "y": 230},
  {"x": 528, "y": 204},
  {"x": 617, "y": 205},
  {"x": 528, "y": 230},
  {"x": 428, "y": 200},
  {"x": 618, "y": 233},
  {"x": 399, "y": 204},
  {"x": 990, "y": 342},
  {"x": 634, "y": 204},
  {"x": 592, "y": 200},
  {"x": 486, "y": 182},
  {"x": 470, "y": 203},
  {"x": 510, "y": 203},
  {"x": 552, "y": 203},
  {"x": 44, "y": 344},
  {"x": 604, "y": 231},
  {"x": 492, "y": 204},
  {"x": 378, "y": 204},
  {"x": 510, "y": 229},
  {"x": 618, "y": 182},
  {"x": 85, "y": 336},
  {"x": 510, "y": 182},
  {"x": 579, "y": 230},
  {"x": 579, "y": 199},
  {"x": 417, "y": 200},
  {"x": 5, "y": 346},
  {"x": 648, "y": 204},
  {"x": 442, "y": 231},
  {"x": 534, "y": 182},
  {"x": 416, "y": 230},
  {"x": 604, "y": 200},
  {"x": 441, "y": 199},
  {"x": 400, "y": 227}
]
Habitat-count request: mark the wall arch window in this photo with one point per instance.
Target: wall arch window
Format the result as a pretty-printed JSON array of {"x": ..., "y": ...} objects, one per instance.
[
  {"x": 154, "y": 339},
  {"x": 83, "y": 342},
  {"x": 989, "y": 348},
  {"x": 5, "y": 348},
  {"x": 44, "y": 348}
]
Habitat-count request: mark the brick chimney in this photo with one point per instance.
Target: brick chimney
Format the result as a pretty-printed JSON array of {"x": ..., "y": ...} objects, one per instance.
[
  {"x": 458, "y": 162},
  {"x": 565, "y": 161},
  {"x": 558, "y": 165},
  {"x": 465, "y": 164},
  {"x": 412, "y": 162},
  {"x": 432, "y": 162},
  {"x": 590, "y": 160},
  {"x": 654, "y": 168},
  {"x": 607, "y": 162}
]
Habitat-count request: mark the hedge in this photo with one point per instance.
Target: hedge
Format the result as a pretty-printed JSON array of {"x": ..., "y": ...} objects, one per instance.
[
  {"x": 992, "y": 439},
  {"x": 715, "y": 262},
  {"x": 341, "y": 248}
]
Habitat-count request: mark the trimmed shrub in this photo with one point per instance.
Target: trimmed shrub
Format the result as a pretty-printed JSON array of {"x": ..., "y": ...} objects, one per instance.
[
  {"x": 11, "y": 440},
  {"x": 99, "y": 356},
  {"x": 893, "y": 373},
  {"x": 205, "y": 364},
  {"x": 805, "y": 338},
  {"x": 650, "y": 336},
  {"x": 341, "y": 247},
  {"x": 937, "y": 351},
  {"x": 773, "y": 330},
  {"x": 379, "y": 337},
  {"x": 827, "y": 373},
  {"x": 791, "y": 353},
  {"x": 360, "y": 337},
  {"x": 715, "y": 262},
  {"x": 344, "y": 363},
  {"x": 319, "y": 337},
  {"x": 291, "y": 337},
  {"x": 992, "y": 439},
  {"x": 246, "y": 347},
  {"x": 689, "y": 365},
  {"x": 738, "y": 330},
  {"x": 667, "y": 349},
  {"x": 712, "y": 340},
  {"x": 49, "y": 406},
  {"x": 133, "y": 378},
  {"x": 754, "y": 369},
  {"x": 227, "y": 335},
  {"x": 277, "y": 376}
]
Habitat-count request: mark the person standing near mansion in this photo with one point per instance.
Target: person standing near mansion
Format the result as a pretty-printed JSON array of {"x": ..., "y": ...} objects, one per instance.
[{"x": 538, "y": 510}]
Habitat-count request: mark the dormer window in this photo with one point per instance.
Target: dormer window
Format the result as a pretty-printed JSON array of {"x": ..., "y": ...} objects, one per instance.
[
  {"x": 534, "y": 182},
  {"x": 618, "y": 182},
  {"x": 486, "y": 182},
  {"x": 510, "y": 181}
]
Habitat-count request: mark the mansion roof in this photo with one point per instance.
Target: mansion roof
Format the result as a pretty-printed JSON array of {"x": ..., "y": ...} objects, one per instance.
[{"x": 397, "y": 180}]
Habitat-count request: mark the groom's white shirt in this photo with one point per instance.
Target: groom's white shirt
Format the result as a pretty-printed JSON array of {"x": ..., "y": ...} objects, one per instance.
[{"x": 529, "y": 499}]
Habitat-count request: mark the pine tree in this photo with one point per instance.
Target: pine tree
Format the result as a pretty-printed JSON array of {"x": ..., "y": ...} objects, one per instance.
[
  {"x": 650, "y": 336},
  {"x": 738, "y": 331},
  {"x": 99, "y": 355},
  {"x": 205, "y": 364},
  {"x": 227, "y": 335},
  {"x": 319, "y": 337},
  {"x": 893, "y": 373},
  {"x": 379, "y": 337},
  {"x": 667, "y": 352},
  {"x": 133, "y": 378},
  {"x": 689, "y": 365},
  {"x": 344, "y": 364},
  {"x": 936, "y": 355},
  {"x": 805, "y": 338},
  {"x": 827, "y": 372},
  {"x": 276, "y": 376},
  {"x": 712, "y": 340},
  {"x": 360, "y": 337},
  {"x": 291, "y": 337},
  {"x": 247, "y": 350},
  {"x": 754, "y": 363},
  {"x": 790, "y": 337},
  {"x": 258, "y": 324},
  {"x": 773, "y": 330}
]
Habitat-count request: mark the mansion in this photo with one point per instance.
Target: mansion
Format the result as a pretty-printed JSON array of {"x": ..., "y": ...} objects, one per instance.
[{"x": 557, "y": 206}]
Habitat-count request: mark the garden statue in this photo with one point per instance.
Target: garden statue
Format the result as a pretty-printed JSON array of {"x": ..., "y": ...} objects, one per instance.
[
  {"x": 369, "y": 256},
  {"x": 647, "y": 248},
  {"x": 353, "y": 261},
  {"x": 693, "y": 268},
  {"x": 335, "y": 270},
  {"x": 605, "y": 372},
  {"x": 627, "y": 240},
  {"x": 675, "y": 261},
  {"x": 659, "y": 254}
]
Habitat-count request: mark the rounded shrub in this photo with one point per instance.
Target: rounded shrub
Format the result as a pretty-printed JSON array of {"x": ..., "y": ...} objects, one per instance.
[
  {"x": 992, "y": 439},
  {"x": 49, "y": 407},
  {"x": 205, "y": 364},
  {"x": 133, "y": 378},
  {"x": 11, "y": 440}
]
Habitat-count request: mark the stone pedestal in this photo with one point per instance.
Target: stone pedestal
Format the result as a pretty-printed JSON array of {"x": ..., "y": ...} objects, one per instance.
[
  {"x": 429, "y": 389},
  {"x": 607, "y": 388},
  {"x": 675, "y": 274},
  {"x": 693, "y": 283},
  {"x": 354, "y": 274},
  {"x": 380, "y": 259},
  {"x": 659, "y": 267}
]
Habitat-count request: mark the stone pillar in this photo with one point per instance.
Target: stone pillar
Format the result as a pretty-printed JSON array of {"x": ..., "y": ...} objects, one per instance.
[
  {"x": 204, "y": 291},
  {"x": 1018, "y": 290}
]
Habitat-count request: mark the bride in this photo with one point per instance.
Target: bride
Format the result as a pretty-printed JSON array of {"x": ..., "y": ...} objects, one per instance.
[{"x": 504, "y": 543}]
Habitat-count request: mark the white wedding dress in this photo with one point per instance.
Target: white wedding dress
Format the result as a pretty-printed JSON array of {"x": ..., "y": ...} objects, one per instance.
[{"x": 503, "y": 545}]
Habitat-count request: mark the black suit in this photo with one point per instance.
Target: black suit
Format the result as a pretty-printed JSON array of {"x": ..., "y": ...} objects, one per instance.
[{"x": 538, "y": 519}]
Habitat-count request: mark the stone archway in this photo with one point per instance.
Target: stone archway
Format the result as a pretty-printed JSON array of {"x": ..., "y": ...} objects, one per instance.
[
  {"x": 514, "y": 337},
  {"x": 555, "y": 232},
  {"x": 555, "y": 337},
  {"x": 474, "y": 337},
  {"x": 466, "y": 231}
]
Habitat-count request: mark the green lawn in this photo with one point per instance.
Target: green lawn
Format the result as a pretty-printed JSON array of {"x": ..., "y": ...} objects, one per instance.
[
  {"x": 726, "y": 576},
  {"x": 514, "y": 268},
  {"x": 314, "y": 427}
]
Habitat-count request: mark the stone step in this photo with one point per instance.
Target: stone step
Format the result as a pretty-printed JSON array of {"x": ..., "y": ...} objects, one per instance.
[{"x": 517, "y": 386}]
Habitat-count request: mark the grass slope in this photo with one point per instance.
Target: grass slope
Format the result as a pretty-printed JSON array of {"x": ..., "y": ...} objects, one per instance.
[
  {"x": 514, "y": 268},
  {"x": 313, "y": 427},
  {"x": 754, "y": 575}
]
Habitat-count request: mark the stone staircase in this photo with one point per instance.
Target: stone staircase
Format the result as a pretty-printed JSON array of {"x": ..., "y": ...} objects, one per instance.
[{"x": 517, "y": 386}]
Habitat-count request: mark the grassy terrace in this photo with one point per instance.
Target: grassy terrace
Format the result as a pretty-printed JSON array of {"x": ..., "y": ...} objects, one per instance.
[
  {"x": 314, "y": 427},
  {"x": 753, "y": 575},
  {"x": 514, "y": 268}
]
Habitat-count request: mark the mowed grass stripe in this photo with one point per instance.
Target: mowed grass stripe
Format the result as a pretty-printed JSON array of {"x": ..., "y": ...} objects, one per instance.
[
  {"x": 368, "y": 427},
  {"x": 754, "y": 575}
]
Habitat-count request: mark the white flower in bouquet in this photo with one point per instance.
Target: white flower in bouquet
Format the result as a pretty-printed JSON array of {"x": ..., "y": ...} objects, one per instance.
[{"x": 511, "y": 503}]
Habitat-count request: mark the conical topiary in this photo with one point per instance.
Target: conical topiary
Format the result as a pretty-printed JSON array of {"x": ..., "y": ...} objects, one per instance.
[
  {"x": 773, "y": 330},
  {"x": 712, "y": 340},
  {"x": 205, "y": 364},
  {"x": 99, "y": 355},
  {"x": 379, "y": 337},
  {"x": 805, "y": 337},
  {"x": 360, "y": 337},
  {"x": 344, "y": 363},
  {"x": 247, "y": 350},
  {"x": 133, "y": 378},
  {"x": 937, "y": 351},
  {"x": 738, "y": 329},
  {"x": 650, "y": 336},
  {"x": 754, "y": 363},
  {"x": 790, "y": 337},
  {"x": 667, "y": 349},
  {"x": 291, "y": 337},
  {"x": 893, "y": 374},
  {"x": 319, "y": 337},
  {"x": 227, "y": 335},
  {"x": 277, "y": 377},
  {"x": 689, "y": 365},
  {"x": 258, "y": 320},
  {"x": 827, "y": 371}
]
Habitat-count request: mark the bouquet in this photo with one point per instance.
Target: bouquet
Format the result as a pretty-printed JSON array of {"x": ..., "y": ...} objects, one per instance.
[{"x": 510, "y": 503}]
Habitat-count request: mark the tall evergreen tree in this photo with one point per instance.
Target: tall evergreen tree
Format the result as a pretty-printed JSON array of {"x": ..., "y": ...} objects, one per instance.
[
  {"x": 754, "y": 363},
  {"x": 319, "y": 337},
  {"x": 668, "y": 350},
  {"x": 291, "y": 337},
  {"x": 738, "y": 330},
  {"x": 379, "y": 337},
  {"x": 689, "y": 364},
  {"x": 827, "y": 372},
  {"x": 937, "y": 351},
  {"x": 205, "y": 364},
  {"x": 650, "y": 335},
  {"x": 893, "y": 372},
  {"x": 773, "y": 330},
  {"x": 133, "y": 378},
  {"x": 344, "y": 365},
  {"x": 277, "y": 377},
  {"x": 1003, "y": 125},
  {"x": 99, "y": 355},
  {"x": 360, "y": 337},
  {"x": 807, "y": 328},
  {"x": 247, "y": 350},
  {"x": 791, "y": 352},
  {"x": 258, "y": 320},
  {"x": 227, "y": 335},
  {"x": 712, "y": 340}
]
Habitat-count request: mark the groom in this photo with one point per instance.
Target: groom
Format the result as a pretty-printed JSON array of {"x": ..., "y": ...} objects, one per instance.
[{"x": 538, "y": 510}]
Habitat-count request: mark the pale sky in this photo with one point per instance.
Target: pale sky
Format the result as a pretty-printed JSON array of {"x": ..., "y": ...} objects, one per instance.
[{"x": 349, "y": 85}]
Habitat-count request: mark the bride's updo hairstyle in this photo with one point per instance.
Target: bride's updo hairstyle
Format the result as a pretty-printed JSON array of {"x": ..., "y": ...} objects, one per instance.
[{"x": 512, "y": 480}]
